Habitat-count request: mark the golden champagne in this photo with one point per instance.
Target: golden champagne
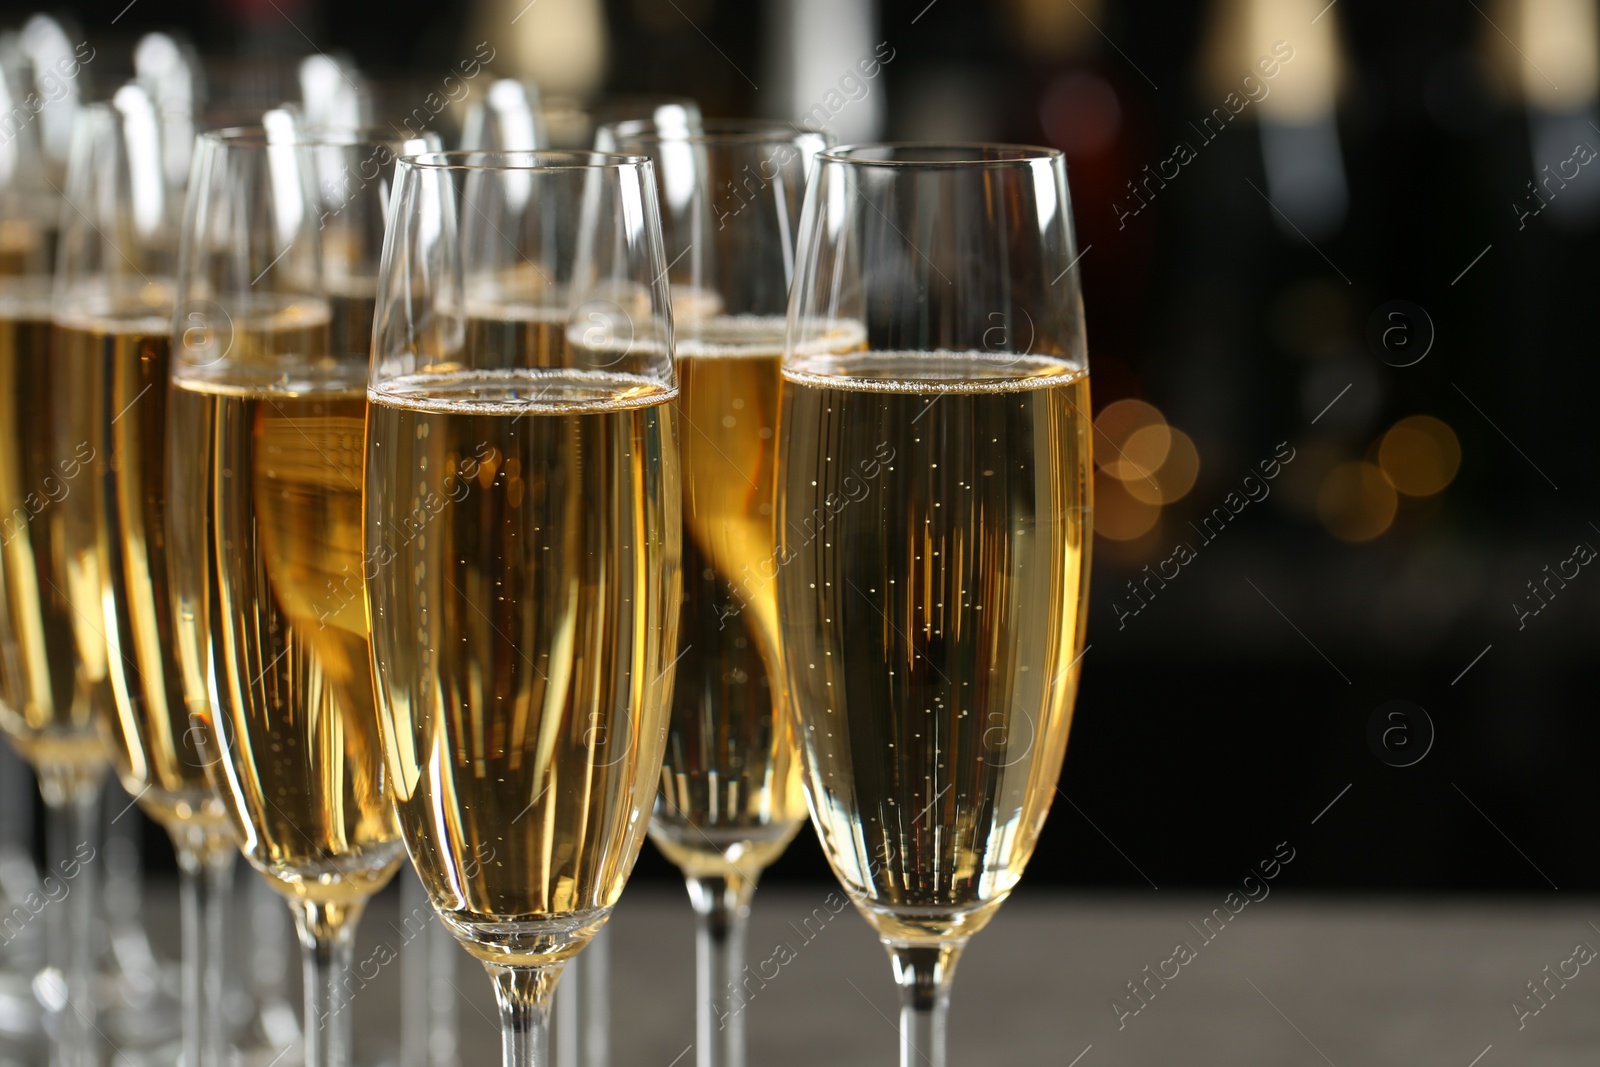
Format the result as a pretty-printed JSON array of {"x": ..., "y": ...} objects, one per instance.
[
  {"x": 523, "y": 576},
  {"x": 52, "y": 653},
  {"x": 27, "y": 246},
  {"x": 119, "y": 366},
  {"x": 730, "y": 797},
  {"x": 274, "y": 634},
  {"x": 933, "y": 511}
]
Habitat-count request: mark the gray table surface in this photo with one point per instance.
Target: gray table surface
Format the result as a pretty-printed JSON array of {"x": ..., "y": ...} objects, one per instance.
[{"x": 1289, "y": 981}]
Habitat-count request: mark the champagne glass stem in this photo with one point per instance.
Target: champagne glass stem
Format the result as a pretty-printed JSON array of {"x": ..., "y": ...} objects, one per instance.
[
  {"x": 205, "y": 881},
  {"x": 722, "y": 912},
  {"x": 523, "y": 994},
  {"x": 923, "y": 973},
  {"x": 76, "y": 840},
  {"x": 327, "y": 938}
]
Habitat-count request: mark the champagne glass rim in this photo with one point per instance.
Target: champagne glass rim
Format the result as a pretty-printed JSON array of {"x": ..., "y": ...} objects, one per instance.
[
  {"x": 106, "y": 97},
  {"x": 320, "y": 137},
  {"x": 518, "y": 159},
  {"x": 106, "y": 106},
  {"x": 594, "y": 104},
  {"x": 938, "y": 154},
  {"x": 715, "y": 132}
]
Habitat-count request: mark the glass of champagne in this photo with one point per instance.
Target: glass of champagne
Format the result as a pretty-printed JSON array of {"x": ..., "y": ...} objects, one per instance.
[
  {"x": 25, "y": 250},
  {"x": 277, "y": 278},
  {"x": 512, "y": 116},
  {"x": 522, "y": 523},
  {"x": 933, "y": 504},
  {"x": 112, "y": 316},
  {"x": 53, "y": 685},
  {"x": 730, "y": 797}
]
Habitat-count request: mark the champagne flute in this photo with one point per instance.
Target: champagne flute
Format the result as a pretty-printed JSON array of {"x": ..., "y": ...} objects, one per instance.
[
  {"x": 52, "y": 657},
  {"x": 334, "y": 94},
  {"x": 25, "y": 250},
  {"x": 511, "y": 116},
  {"x": 730, "y": 797},
  {"x": 522, "y": 516},
  {"x": 168, "y": 69},
  {"x": 112, "y": 315},
  {"x": 276, "y": 285},
  {"x": 933, "y": 501}
]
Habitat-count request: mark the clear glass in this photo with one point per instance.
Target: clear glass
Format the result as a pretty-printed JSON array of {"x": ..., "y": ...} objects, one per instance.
[
  {"x": 582, "y": 1032},
  {"x": 51, "y": 698},
  {"x": 508, "y": 117},
  {"x": 265, "y": 1022},
  {"x": 57, "y": 69},
  {"x": 580, "y": 1023},
  {"x": 66, "y": 985},
  {"x": 334, "y": 95},
  {"x": 522, "y": 519},
  {"x": 131, "y": 973},
  {"x": 167, "y": 67},
  {"x": 428, "y": 992},
  {"x": 21, "y": 951},
  {"x": 111, "y": 324},
  {"x": 730, "y": 798},
  {"x": 277, "y": 279},
  {"x": 933, "y": 502},
  {"x": 570, "y": 123}
]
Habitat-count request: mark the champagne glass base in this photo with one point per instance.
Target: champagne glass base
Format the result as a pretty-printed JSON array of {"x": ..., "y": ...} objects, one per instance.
[
  {"x": 141, "y": 1014},
  {"x": 538, "y": 942},
  {"x": 350, "y": 880},
  {"x": 21, "y": 1022},
  {"x": 928, "y": 926},
  {"x": 167, "y": 1055},
  {"x": 264, "y": 1023},
  {"x": 743, "y": 851},
  {"x": 273, "y": 1035},
  {"x": 22, "y": 949}
]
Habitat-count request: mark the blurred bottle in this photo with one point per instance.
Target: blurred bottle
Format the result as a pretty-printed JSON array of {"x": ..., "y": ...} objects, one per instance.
[
  {"x": 1281, "y": 63},
  {"x": 1551, "y": 51}
]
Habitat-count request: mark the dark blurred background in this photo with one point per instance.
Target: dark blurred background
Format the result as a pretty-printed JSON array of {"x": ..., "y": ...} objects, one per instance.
[{"x": 1361, "y": 235}]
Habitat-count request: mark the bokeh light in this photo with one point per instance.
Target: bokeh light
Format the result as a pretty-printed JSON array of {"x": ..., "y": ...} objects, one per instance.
[
  {"x": 1175, "y": 475},
  {"x": 1356, "y": 502},
  {"x": 1145, "y": 464},
  {"x": 1118, "y": 514},
  {"x": 1080, "y": 114},
  {"x": 1141, "y": 455},
  {"x": 1420, "y": 455},
  {"x": 1115, "y": 424}
]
